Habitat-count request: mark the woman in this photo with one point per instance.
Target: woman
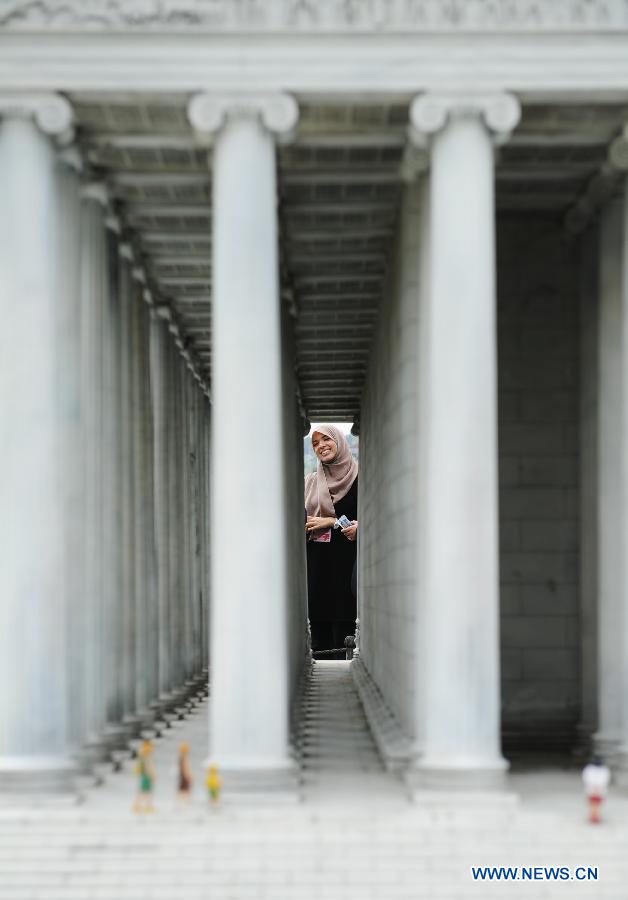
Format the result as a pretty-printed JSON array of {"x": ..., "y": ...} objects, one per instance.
[{"x": 330, "y": 492}]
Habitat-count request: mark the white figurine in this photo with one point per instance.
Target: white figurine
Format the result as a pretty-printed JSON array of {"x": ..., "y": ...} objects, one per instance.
[{"x": 595, "y": 777}]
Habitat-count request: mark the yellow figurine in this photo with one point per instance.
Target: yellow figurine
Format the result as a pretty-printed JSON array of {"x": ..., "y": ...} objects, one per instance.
[
  {"x": 214, "y": 783},
  {"x": 146, "y": 774}
]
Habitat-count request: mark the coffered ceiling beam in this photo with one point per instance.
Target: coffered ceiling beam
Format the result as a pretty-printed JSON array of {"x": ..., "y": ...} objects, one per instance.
[
  {"x": 175, "y": 179},
  {"x": 176, "y": 237},
  {"x": 182, "y": 281},
  {"x": 336, "y": 231},
  {"x": 352, "y": 176},
  {"x": 166, "y": 210},
  {"x": 189, "y": 259}
]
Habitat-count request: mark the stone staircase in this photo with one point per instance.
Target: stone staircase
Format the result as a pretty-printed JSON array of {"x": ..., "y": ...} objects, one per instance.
[{"x": 355, "y": 834}]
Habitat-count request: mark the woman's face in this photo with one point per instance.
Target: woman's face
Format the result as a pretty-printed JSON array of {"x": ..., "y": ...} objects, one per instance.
[{"x": 324, "y": 447}]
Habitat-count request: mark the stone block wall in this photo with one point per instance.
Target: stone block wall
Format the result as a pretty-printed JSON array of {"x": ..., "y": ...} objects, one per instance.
[
  {"x": 538, "y": 351},
  {"x": 388, "y": 494},
  {"x": 539, "y": 476}
]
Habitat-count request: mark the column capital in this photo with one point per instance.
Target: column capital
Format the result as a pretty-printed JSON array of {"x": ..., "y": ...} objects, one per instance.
[
  {"x": 430, "y": 112},
  {"x": 112, "y": 222},
  {"x": 52, "y": 112},
  {"x": 415, "y": 161},
  {"x": 601, "y": 187},
  {"x": 148, "y": 297},
  {"x": 96, "y": 191},
  {"x": 618, "y": 152},
  {"x": 125, "y": 250},
  {"x": 72, "y": 157},
  {"x": 278, "y": 112},
  {"x": 163, "y": 311}
]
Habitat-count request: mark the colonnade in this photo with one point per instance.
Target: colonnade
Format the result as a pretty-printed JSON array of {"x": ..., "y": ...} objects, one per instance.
[
  {"x": 108, "y": 475},
  {"x": 122, "y": 579},
  {"x": 105, "y": 471}
]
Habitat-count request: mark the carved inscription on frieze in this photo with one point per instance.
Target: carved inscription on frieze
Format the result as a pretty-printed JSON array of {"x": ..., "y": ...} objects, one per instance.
[{"x": 315, "y": 15}]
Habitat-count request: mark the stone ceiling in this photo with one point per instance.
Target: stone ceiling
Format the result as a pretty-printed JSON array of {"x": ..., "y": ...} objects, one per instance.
[{"x": 340, "y": 186}]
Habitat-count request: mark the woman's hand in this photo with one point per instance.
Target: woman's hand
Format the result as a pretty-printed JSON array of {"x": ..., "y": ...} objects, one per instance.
[
  {"x": 351, "y": 531},
  {"x": 318, "y": 523}
]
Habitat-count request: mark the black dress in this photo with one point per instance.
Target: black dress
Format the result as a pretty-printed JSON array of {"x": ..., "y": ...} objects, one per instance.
[{"x": 331, "y": 603}]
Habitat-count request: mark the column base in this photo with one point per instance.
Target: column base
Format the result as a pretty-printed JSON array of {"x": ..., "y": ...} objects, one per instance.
[
  {"x": 606, "y": 746},
  {"x": 134, "y": 724},
  {"x": 457, "y": 775},
  {"x": 462, "y": 794},
  {"x": 92, "y": 757},
  {"x": 116, "y": 737},
  {"x": 175, "y": 707},
  {"x": 167, "y": 703},
  {"x": 146, "y": 719},
  {"x": 620, "y": 768},
  {"x": 31, "y": 775},
  {"x": 265, "y": 782}
]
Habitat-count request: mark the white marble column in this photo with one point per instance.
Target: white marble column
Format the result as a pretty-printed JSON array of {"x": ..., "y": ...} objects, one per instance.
[
  {"x": 610, "y": 467},
  {"x": 174, "y": 525},
  {"x": 160, "y": 374},
  {"x": 613, "y": 652},
  {"x": 195, "y": 548},
  {"x": 94, "y": 290},
  {"x": 186, "y": 520},
  {"x": 34, "y": 708},
  {"x": 459, "y": 523},
  {"x": 179, "y": 597},
  {"x": 588, "y": 281},
  {"x": 248, "y": 657},
  {"x": 128, "y": 620},
  {"x": 68, "y": 392},
  {"x": 144, "y": 593},
  {"x": 112, "y": 544},
  {"x": 205, "y": 550}
]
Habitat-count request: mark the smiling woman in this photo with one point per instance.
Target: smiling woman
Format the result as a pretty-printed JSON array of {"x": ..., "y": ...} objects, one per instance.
[{"x": 331, "y": 492}]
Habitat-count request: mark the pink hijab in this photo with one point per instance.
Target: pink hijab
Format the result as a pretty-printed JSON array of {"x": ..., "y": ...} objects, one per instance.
[{"x": 332, "y": 480}]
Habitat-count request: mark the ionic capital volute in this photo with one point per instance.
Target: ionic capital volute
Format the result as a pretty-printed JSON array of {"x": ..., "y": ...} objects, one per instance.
[
  {"x": 415, "y": 161},
  {"x": 97, "y": 192},
  {"x": 430, "y": 112},
  {"x": 208, "y": 113},
  {"x": 618, "y": 152},
  {"x": 52, "y": 113}
]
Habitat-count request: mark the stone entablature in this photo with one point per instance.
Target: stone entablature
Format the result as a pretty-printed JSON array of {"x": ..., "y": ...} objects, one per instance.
[{"x": 317, "y": 15}]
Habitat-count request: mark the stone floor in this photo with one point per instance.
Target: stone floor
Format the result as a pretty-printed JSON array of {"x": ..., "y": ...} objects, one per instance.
[{"x": 353, "y": 832}]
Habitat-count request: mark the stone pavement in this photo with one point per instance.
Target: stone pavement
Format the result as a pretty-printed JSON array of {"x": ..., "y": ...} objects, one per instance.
[{"x": 353, "y": 834}]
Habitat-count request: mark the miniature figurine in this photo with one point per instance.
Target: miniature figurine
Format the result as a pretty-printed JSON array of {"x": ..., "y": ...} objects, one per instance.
[
  {"x": 184, "y": 786},
  {"x": 595, "y": 777},
  {"x": 214, "y": 783},
  {"x": 146, "y": 774}
]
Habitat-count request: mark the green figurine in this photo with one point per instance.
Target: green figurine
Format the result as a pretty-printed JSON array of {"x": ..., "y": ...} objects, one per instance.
[{"x": 146, "y": 774}]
